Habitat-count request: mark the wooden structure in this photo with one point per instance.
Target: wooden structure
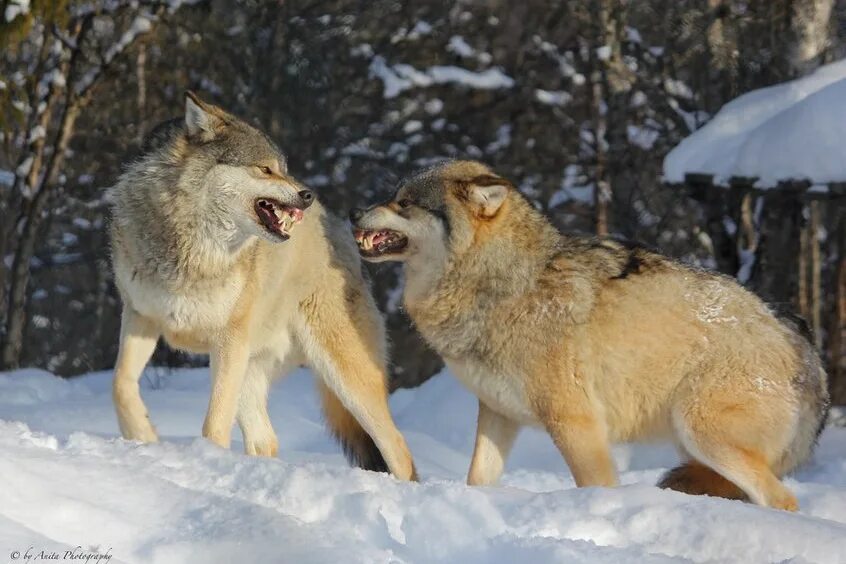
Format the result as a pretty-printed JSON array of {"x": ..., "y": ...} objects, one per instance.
[{"x": 788, "y": 244}]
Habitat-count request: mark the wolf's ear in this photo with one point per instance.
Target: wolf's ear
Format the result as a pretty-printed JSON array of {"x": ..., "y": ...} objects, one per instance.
[
  {"x": 486, "y": 193},
  {"x": 201, "y": 120}
]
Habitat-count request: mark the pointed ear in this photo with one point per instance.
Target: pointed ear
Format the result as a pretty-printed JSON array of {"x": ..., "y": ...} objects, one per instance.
[
  {"x": 201, "y": 120},
  {"x": 486, "y": 194}
]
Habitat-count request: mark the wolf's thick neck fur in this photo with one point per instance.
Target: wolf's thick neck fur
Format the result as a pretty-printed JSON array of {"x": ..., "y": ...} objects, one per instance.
[
  {"x": 501, "y": 262},
  {"x": 174, "y": 227}
]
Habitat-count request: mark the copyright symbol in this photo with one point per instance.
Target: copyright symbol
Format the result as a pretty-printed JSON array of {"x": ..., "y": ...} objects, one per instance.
[{"x": 15, "y": 555}]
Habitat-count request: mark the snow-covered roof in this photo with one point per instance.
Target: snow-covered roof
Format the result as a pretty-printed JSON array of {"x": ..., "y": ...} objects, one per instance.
[{"x": 791, "y": 131}]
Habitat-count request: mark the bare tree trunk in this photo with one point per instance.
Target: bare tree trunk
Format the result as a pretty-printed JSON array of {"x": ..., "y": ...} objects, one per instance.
[
  {"x": 723, "y": 52},
  {"x": 39, "y": 116},
  {"x": 814, "y": 300},
  {"x": 802, "y": 301},
  {"x": 42, "y": 180},
  {"x": 602, "y": 189},
  {"x": 609, "y": 76},
  {"x": 838, "y": 346},
  {"x": 837, "y": 340},
  {"x": 810, "y": 24},
  {"x": 16, "y": 310},
  {"x": 747, "y": 239},
  {"x": 810, "y": 272},
  {"x": 141, "y": 79}
]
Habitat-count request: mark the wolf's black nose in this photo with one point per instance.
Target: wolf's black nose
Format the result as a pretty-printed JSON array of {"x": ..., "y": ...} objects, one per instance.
[
  {"x": 307, "y": 197},
  {"x": 356, "y": 214}
]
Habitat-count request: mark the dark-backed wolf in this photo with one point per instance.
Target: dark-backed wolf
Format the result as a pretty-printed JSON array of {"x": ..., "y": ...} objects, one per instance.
[
  {"x": 597, "y": 341},
  {"x": 219, "y": 250}
]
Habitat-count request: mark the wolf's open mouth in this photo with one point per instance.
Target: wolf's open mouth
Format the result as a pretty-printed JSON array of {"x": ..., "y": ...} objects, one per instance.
[
  {"x": 276, "y": 217},
  {"x": 382, "y": 242}
]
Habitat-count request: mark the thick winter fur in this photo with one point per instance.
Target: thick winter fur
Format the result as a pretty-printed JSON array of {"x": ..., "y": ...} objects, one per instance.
[
  {"x": 196, "y": 264},
  {"x": 597, "y": 341}
]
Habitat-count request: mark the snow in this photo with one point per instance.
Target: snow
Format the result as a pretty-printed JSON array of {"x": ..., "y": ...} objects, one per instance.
[
  {"x": 36, "y": 133},
  {"x": 401, "y": 77},
  {"x": 574, "y": 187},
  {"x": 16, "y": 8},
  {"x": 69, "y": 482},
  {"x": 25, "y": 166},
  {"x": 553, "y": 97},
  {"x": 460, "y": 47},
  {"x": 433, "y": 106},
  {"x": 412, "y": 126},
  {"x": 642, "y": 137},
  {"x": 502, "y": 141},
  {"x": 140, "y": 25},
  {"x": 7, "y": 178},
  {"x": 791, "y": 131},
  {"x": 488, "y": 79},
  {"x": 677, "y": 88},
  {"x": 633, "y": 35}
]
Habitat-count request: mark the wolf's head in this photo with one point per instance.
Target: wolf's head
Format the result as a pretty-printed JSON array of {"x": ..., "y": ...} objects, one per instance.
[
  {"x": 238, "y": 173},
  {"x": 436, "y": 212}
]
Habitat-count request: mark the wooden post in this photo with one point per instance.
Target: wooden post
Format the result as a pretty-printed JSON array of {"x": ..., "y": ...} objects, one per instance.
[
  {"x": 814, "y": 296},
  {"x": 837, "y": 340},
  {"x": 802, "y": 302}
]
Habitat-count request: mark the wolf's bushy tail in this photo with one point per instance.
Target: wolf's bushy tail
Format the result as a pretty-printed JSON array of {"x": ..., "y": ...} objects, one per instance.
[
  {"x": 811, "y": 385},
  {"x": 694, "y": 478},
  {"x": 357, "y": 445}
]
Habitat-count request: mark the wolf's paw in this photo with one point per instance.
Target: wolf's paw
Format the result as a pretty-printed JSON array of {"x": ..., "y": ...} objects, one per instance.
[
  {"x": 220, "y": 437},
  {"x": 262, "y": 447},
  {"x": 145, "y": 433},
  {"x": 785, "y": 501}
]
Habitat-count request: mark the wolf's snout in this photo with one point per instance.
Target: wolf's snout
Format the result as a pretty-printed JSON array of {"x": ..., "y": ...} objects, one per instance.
[
  {"x": 356, "y": 214},
  {"x": 307, "y": 196}
]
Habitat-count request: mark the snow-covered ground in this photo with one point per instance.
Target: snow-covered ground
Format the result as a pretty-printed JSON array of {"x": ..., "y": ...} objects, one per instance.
[
  {"x": 791, "y": 131},
  {"x": 66, "y": 481}
]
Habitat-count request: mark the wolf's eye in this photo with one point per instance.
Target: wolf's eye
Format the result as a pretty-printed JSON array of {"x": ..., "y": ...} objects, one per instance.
[
  {"x": 266, "y": 170},
  {"x": 404, "y": 203}
]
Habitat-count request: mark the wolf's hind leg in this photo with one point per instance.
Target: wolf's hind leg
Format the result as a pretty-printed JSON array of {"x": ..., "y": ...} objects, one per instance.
[
  {"x": 733, "y": 440},
  {"x": 138, "y": 337},
  {"x": 495, "y": 436},
  {"x": 253, "y": 419}
]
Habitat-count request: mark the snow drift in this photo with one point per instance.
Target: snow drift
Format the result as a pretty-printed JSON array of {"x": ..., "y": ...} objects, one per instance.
[
  {"x": 68, "y": 482},
  {"x": 791, "y": 131}
]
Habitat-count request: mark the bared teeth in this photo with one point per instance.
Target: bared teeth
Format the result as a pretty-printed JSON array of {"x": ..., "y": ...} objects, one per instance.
[{"x": 378, "y": 240}]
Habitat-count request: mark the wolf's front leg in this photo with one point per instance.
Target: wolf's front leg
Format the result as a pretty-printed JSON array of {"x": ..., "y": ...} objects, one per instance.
[
  {"x": 347, "y": 353},
  {"x": 229, "y": 358},
  {"x": 569, "y": 415},
  {"x": 495, "y": 436},
  {"x": 259, "y": 437},
  {"x": 138, "y": 337}
]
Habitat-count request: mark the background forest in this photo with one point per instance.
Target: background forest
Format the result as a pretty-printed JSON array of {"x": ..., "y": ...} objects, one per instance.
[{"x": 577, "y": 102}]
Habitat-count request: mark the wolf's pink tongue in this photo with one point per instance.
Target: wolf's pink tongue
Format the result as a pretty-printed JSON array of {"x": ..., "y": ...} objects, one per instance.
[
  {"x": 379, "y": 237},
  {"x": 295, "y": 213}
]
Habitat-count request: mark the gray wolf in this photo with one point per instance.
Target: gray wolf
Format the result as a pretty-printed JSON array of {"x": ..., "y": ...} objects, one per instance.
[
  {"x": 219, "y": 250},
  {"x": 597, "y": 341}
]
